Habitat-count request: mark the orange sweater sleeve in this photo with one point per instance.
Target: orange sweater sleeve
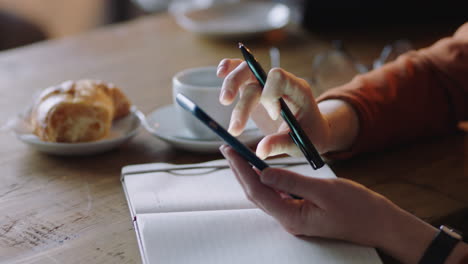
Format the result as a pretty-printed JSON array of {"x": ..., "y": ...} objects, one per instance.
[{"x": 422, "y": 94}]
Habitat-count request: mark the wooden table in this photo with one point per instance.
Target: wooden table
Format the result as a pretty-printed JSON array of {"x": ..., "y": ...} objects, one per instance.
[{"x": 72, "y": 209}]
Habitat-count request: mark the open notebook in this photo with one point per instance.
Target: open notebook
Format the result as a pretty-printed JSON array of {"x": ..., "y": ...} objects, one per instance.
[{"x": 198, "y": 213}]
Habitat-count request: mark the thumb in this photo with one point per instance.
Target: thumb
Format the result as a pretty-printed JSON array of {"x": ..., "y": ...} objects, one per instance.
[
  {"x": 275, "y": 144},
  {"x": 310, "y": 188}
]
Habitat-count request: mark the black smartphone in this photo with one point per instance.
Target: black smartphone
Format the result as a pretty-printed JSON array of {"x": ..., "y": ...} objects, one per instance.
[{"x": 243, "y": 150}]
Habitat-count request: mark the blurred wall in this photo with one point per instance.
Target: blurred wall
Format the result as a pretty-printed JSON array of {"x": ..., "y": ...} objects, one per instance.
[{"x": 59, "y": 18}]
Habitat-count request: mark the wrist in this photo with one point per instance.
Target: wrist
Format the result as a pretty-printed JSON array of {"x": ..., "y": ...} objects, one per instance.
[
  {"x": 405, "y": 236},
  {"x": 446, "y": 247},
  {"x": 459, "y": 254},
  {"x": 343, "y": 124}
]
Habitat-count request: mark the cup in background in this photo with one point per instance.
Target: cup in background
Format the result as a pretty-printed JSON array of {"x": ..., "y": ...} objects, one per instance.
[{"x": 203, "y": 87}]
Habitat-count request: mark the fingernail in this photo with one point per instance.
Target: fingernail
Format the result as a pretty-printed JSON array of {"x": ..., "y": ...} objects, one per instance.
[
  {"x": 224, "y": 97},
  {"x": 220, "y": 69},
  {"x": 232, "y": 126},
  {"x": 275, "y": 115},
  {"x": 272, "y": 113},
  {"x": 262, "y": 151},
  {"x": 261, "y": 155},
  {"x": 222, "y": 149},
  {"x": 267, "y": 178},
  {"x": 221, "y": 96}
]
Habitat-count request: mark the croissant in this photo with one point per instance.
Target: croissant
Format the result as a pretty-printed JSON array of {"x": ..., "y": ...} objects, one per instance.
[{"x": 78, "y": 111}]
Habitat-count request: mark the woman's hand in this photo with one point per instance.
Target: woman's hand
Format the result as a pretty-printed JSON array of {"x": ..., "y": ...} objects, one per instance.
[
  {"x": 331, "y": 125},
  {"x": 333, "y": 208}
]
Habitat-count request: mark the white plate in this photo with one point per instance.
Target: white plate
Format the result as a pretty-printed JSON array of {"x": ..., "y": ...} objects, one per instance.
[
  {"x": 232, "y": 19},
  {"x": 165, "y": 124},
  {"x": 121, "y": 131}
]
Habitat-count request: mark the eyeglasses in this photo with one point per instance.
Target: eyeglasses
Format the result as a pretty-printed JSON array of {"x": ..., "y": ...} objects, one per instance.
[{"x": 338, "y": 66}]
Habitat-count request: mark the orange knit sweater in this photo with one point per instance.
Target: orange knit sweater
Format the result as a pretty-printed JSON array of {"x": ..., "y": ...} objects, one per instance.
[{"x": 422, "y": 94}]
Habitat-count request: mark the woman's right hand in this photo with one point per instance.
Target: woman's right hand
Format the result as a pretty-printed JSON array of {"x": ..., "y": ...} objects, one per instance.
[{"x": 324, "y": 126}]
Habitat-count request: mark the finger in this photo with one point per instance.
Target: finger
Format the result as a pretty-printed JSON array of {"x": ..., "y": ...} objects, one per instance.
[
  {"x": 284, "y": 127},
  {"x": 233, "y": 81},
  {"x": 276, "y": 144},
  {"x": 313, "y": 189},
  {"x": 225, "y": 66},
  {"x": 250, "y": 96},
  {"x": 241, "y": 179},
  {"x": 234, "y": 170},
  {"x": 281, "y": 83},
  {"x": 294, "y": 215},
  {"x": 265, "y": 197}
]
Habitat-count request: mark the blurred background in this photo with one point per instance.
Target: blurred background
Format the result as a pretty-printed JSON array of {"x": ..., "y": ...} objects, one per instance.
[
  {"x": 27, "y": 21},
  {"x": 389, "y": 27}
]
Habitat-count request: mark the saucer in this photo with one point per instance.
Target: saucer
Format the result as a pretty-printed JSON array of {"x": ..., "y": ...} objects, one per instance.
[
  {"x": 164, "y": 124},
  {"x": 231, "y": 19},
  {"x": 122, "y": 130}
]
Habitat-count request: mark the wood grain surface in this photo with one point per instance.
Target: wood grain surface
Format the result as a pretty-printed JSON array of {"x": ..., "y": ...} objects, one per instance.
[{"x": 73, "y": 210}]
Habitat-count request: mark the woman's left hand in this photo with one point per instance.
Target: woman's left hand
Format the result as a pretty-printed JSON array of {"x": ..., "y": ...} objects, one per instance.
[{"x": 332, "y": 208}]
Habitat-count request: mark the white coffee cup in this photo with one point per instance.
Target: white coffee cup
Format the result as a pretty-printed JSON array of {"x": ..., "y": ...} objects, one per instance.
[{"x": 203, "y": 87}]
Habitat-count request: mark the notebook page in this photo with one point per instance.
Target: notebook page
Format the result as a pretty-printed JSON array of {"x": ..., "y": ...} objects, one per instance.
[
  {"x": 194, "y": 189},
  {"x": 237, "y": 236},
  {"x": 201, "y": 189}
]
